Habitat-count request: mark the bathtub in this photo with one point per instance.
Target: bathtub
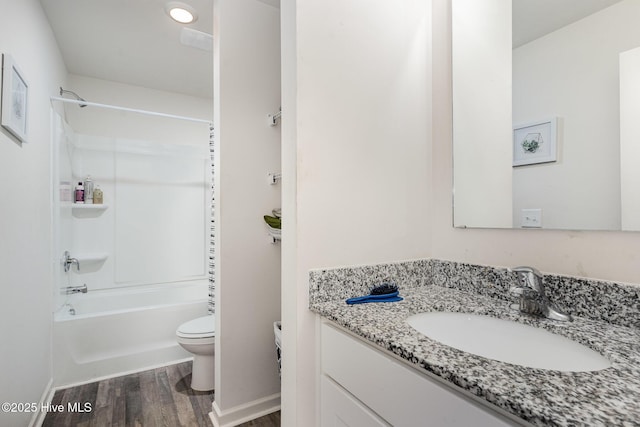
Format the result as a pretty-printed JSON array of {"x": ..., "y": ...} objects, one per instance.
[{"x": 120, "y": 331}]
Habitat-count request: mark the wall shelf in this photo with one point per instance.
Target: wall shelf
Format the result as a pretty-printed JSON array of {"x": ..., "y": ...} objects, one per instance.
[
  {"x": 97, "y": 207},
  {"x": 93, "y": 258},
  {"x": 274, "y": 237},
  {"x": 87, "y": 262},
  {"x": 86, "y": 211}
]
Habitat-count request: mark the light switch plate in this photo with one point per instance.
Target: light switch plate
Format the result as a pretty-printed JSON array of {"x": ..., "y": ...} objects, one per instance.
[{"x": 531, "y": 218}]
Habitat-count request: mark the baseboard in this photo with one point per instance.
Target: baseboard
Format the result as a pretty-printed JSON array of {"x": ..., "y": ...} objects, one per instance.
[
  {"x": 246, "y": 412},
  {"x": 47, "y": 396}
]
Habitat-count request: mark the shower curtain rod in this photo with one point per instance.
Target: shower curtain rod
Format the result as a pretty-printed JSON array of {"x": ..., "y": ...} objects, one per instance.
[{"x": 132, "y": 110}]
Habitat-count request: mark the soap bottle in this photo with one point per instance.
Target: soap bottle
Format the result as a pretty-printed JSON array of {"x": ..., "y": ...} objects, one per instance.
[
  {"x": 97, "y": 196},
  {"x": 65, "y": 191},
  {"x": 79, "y": 193},
  {"x": 88, "y": 190}
]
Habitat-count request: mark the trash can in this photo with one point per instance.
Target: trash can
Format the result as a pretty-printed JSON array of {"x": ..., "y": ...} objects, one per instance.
[{"x": 277, "y": 330}]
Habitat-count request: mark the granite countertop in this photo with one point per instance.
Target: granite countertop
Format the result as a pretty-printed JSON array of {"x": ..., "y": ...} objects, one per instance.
[{"x": 541, "y": 397}]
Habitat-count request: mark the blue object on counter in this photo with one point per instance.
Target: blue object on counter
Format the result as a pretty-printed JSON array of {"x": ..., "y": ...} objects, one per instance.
[{"x": 375, "y": 298}]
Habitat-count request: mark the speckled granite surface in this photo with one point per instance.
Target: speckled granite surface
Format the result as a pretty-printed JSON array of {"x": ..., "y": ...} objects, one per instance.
[
  {"x": 610, "y": 397},
  {"x": 343, "y": 283},
  {"x": 612, "y": 302}
]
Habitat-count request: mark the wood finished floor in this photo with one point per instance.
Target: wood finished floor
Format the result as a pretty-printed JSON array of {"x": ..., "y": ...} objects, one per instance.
[{"x": 159, "y": 397}]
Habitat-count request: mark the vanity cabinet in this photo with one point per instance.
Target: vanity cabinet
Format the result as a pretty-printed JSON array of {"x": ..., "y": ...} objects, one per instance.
[
  {"x": 361, "y": 386},
  {"x": 338, "y": 407}
]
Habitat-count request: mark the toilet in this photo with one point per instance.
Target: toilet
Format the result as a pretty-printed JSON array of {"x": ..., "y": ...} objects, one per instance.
[{"x": 197, "y": 336}]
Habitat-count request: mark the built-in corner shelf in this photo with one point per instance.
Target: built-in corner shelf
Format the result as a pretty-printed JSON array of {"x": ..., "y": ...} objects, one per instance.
[
  {"x": 93, "y": 257},
  {"x": 82, "y": 206},
  {"x": 90, "y": 261},
  {"x": 86, "y": 211}
]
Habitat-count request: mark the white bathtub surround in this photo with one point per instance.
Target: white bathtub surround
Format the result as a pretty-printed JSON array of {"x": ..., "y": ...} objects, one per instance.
[
  {"x": 154, "y": 230},
  {"x": 144, "y": 257},
  {"x": 121, "y": 331},
  {"x": 155, "y": 174}
]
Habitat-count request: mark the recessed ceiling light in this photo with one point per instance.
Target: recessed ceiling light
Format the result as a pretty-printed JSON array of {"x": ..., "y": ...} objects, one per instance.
[{"x": 180, "y": 12}]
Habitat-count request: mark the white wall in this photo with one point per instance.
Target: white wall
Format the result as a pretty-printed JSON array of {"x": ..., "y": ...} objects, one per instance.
[
  {"x": 356, "y": 106},
  {"x": 247, "y": 89},
  {"x": 99, "y": 121},
  {"x": 25, "y": 216},
  {"x": 482, "y": 178},
  {"x": 290, "y": 290},
  {"x": 573, "y": 73},
  {"x": 322, "y": 69}
]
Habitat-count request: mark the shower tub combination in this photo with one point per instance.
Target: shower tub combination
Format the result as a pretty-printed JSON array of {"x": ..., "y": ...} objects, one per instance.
[
  {"x": 143, "y": 254},
  {"x": 119, "y": 331}
]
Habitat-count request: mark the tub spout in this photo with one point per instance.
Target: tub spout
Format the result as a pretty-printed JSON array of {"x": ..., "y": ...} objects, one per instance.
[{"x": 74, "y": 290}]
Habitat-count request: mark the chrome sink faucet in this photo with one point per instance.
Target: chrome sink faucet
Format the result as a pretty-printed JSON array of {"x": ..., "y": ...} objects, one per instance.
[{"x": 533, "y": 299}]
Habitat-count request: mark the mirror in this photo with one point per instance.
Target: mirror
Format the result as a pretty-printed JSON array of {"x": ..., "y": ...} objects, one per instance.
[{"x": 546, "y": 98}]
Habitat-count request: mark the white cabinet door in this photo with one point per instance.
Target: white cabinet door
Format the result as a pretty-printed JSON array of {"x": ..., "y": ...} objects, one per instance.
[
  {"x": 396, "y": 393},
  {"x": 341, "y": 409}
]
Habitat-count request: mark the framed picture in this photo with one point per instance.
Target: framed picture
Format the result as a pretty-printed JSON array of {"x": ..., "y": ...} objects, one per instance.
[
  {"x": 14, "y": 99},
  {"x": 535, "y": 142}
]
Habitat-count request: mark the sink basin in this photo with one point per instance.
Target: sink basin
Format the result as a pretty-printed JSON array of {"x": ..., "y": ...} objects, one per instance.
[{"x": 508, "y": 341}]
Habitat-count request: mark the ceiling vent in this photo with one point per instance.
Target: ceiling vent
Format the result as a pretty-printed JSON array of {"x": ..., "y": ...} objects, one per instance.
[{"x": 197, "y": 39}]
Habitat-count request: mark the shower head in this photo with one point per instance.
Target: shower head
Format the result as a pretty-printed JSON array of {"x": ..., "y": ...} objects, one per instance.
[{"x": 75, "y": 95}]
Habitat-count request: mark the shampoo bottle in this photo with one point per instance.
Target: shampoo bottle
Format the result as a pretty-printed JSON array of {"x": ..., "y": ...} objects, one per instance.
[
  {"x": 79, "y": 193},
  {"x": 97, "y": 196},
  {"x": 88, "y": 190}
]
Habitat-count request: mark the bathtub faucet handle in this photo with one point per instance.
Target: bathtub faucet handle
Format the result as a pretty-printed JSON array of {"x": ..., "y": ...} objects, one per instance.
[{"x": 67, "y": 262}]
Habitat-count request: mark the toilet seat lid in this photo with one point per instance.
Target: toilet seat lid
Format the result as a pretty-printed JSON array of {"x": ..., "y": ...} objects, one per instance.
[{"x": 202, "y": 327}]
